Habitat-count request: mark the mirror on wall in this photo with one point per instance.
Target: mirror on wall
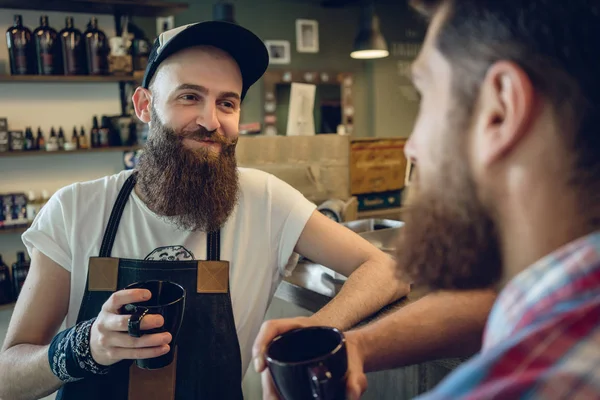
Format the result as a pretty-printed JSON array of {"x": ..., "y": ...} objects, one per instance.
[{"x": 333, "y": 110}]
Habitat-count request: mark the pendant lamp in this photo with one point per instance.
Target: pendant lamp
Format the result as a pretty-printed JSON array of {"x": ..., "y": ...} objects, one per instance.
[{"x": 369, "y": 43}]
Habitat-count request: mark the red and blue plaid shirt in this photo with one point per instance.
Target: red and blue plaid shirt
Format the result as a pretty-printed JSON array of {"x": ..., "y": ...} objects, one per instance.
[{"x": 542, "y": 339}]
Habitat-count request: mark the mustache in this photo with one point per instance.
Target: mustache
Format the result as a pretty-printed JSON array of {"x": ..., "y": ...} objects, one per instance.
[{"x": 202, "y": 133}]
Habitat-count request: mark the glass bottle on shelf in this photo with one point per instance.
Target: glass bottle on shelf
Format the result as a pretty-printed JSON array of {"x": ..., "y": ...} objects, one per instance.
[
  {"x": 95, "y": 132},
  {"x": 74, "y": 142},
  {"x": 83, "y": 140},
  {"x": 29, "y": 139},
  {"x": 47, "y": 49},
  {"x": 52, "y": 144},
  {"x": 40, "y": 142},
  {"x": 20, "y": 48},
  {"x": 72, "y": 48},
  {"x": 20, "y": 269},
  {"x": 6, "y": 287},
  {"x": 61, "y": 139},
  {"x": 96, "y": 49}
]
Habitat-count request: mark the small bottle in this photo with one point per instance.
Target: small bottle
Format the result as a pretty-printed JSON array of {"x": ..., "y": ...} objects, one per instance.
[
  {"x": 95, "y": 133},
  {"x": 52, "y": 144},
  {"x": 32, "y": 206},
  {"x": 29, "y": 139},
  {"x": 20, "y": 48},
  {"x": 6, "y": 286},
  {"x": 20, "y": 269},
  {"x": 104, "y": 133},
  {"x": 61, "y": 139},
  {"x": 40, "y": 142},
  {"x": 83, "y": 141},
  {"x": 73, "y": 143}
]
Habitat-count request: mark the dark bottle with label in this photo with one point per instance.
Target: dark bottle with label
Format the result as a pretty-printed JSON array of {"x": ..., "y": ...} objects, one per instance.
[
  {"x": 95, "y": 133},
  {"x": 83, "y": 140},
  {"x": 61, "y": 139},
  {"x": 96, "y": 49},
  {"x": 47, "y": 49},
  {"x": 73, "y": 144},
  {"x": 6, "y": 287},
  {"x": 29, "y": 139},
  {"x": 20, "y": 269},
  {"x": 40, "y": 142},
  {"x": 72, "y": 48},
  {"x": 104, "y": 133},
  {"x": 20, "y": 48}
]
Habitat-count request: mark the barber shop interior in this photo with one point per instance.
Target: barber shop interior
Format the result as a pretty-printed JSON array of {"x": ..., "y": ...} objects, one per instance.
[{"x": 299, "y": 200}]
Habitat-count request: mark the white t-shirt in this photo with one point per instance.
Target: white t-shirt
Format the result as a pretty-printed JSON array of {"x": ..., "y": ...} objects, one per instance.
[{"x": 258, "y": 239}]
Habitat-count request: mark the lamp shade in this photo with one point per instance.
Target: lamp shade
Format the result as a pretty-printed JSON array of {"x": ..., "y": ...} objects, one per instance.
[{"x": 369, "y": 43}]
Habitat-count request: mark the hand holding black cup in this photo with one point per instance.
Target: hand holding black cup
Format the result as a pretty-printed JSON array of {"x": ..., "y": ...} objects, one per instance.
[
  {"x": 309, "y": 363},
  {"x": 168, "y": 300}
]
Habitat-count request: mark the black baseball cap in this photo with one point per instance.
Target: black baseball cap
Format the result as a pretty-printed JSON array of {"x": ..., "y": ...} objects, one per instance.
[{"x": 247, "y": 49}]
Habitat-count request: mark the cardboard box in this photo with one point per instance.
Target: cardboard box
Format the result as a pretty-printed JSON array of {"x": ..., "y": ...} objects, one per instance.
[
  {"x": 377, "y": 165},
  {"x": 315, "y": 165}
]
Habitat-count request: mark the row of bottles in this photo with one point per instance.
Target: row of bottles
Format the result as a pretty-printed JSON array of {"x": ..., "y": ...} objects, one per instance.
[
  {"x": 48, "y": 52},
  {"x": 19, "y": 210},
  {"x": 101, "y": 135},
  {"x": 11, "y": 284}
]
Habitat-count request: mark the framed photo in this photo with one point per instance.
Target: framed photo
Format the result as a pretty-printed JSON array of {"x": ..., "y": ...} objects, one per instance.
[
  {"x": 307, "y": 36},
  {"x": 279, "y": 51}
]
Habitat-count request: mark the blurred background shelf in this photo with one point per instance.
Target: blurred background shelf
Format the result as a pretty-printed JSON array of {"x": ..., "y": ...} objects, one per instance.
[
  {"x": 149, "y": 8},
  {"x": 16, "y": 230},
  {"x": 65, "y": 79},
  {"x": 62, "y": 152}
]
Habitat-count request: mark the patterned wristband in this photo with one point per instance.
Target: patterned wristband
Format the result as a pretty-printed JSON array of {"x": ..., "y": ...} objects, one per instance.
[{"x": 70, "y": 356}]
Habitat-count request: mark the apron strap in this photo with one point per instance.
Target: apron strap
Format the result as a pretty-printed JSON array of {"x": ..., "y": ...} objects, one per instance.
[
  {"x": 115, "y": 216},
  {"x": 213, "y": 241}
]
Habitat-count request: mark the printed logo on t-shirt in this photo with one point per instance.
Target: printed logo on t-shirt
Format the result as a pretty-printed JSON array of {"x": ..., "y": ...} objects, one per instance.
[{"x": 170, "y": 253}]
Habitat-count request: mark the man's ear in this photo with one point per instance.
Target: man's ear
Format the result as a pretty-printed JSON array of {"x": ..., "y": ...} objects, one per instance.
[
  {"x": 142, "y": 100},
  {"x": 504, "y": 112}
]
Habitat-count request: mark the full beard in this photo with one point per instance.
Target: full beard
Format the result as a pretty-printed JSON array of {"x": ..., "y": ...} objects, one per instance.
[
  {"x": 449, "y": 241},
  {"x": 197, "y": 189}
]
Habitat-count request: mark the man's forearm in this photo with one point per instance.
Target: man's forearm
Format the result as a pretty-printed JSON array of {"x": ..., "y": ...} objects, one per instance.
[
  {"x": 25, "y": 373},
  {"x": 367, "y": 290},
  {"x": 440, "y": 325}
]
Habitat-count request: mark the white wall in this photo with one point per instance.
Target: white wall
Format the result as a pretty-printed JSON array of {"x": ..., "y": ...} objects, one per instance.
[{"x": 52, "y": 104}]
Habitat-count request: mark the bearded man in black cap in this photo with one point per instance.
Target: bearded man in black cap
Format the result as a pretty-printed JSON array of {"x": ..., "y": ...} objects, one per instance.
[{"x": 187, "y": 215}]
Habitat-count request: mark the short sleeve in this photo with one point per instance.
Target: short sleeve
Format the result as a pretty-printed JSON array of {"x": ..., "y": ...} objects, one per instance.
[
  {"x": 49, "y": 230},
  {"x": 290, "y": 211}
]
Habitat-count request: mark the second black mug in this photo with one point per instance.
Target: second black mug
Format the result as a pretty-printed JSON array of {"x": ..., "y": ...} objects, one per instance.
[
  {"x": 168, "y": 300},
  {"x": 309, "y": 363}
]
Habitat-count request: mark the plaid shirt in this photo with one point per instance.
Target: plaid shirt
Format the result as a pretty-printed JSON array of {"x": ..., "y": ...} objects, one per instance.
[{"x": 542, "y": 339}]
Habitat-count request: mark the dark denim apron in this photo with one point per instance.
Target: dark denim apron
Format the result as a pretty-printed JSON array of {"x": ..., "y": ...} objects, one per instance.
[{"x": 208, "y": 361}]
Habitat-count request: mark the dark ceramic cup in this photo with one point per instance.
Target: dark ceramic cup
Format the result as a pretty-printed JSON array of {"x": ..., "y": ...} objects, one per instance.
[
  {"x": 309, "y": 363},
  {"x": 168, "y": 300}
]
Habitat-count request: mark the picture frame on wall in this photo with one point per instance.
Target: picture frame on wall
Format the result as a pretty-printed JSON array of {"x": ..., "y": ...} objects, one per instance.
[
  {"x": 307, "y": 36},
  {"x": 279, "y": 51}
]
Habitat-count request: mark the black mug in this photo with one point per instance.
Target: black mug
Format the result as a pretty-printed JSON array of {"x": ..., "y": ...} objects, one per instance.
[
  {"x": 309, "y": 363},
  {"x": 168, "y": 300}
]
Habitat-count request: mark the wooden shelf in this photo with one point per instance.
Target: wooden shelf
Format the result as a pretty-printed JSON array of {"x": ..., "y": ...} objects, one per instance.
[
  {"x": 63, "y": 152},
  {"x": 142, "y": 8},
  {"x": 393, "y": 213},
  {"x": 8, "y": 306},
  {"x": 65, "y": 79},
  {"x": 16, "y": 230}
]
